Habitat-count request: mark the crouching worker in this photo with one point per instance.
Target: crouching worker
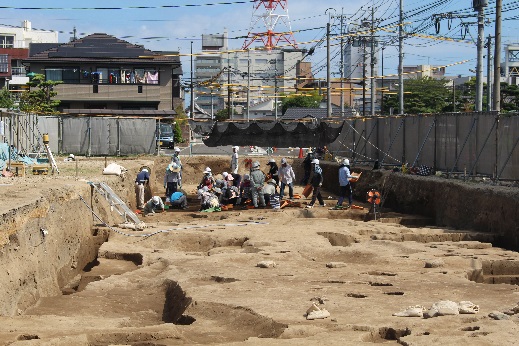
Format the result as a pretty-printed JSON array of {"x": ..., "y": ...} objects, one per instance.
[
  {"x": 208, "y": 200},
  {"x": 178, "y": 200},
  {"x": 154, "y": 205},
  {"x": 270, "y": 190}
]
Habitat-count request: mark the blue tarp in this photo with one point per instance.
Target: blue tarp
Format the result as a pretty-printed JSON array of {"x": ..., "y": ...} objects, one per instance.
[{"x": 4, "y": 156}]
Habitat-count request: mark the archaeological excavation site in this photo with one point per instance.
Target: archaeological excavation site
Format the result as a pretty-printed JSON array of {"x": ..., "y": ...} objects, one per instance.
[{"x": 435, "y": 263}]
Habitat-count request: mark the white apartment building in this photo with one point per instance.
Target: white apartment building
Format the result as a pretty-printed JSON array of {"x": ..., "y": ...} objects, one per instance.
[
  {"x": 22, "y": 36},
  {"x": 14, "y": 47},
  {"x": 226, "y": 76}
]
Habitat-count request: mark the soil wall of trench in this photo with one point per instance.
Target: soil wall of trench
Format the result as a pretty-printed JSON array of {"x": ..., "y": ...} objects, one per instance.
[
  {"x": 448, "y": 202},
  {"x": 51, "y": 238},
  {"x": 36, "y": 265}
]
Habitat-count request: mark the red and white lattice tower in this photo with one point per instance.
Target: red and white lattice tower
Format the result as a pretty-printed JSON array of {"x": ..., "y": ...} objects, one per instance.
[{"x": 271, "y": 12}]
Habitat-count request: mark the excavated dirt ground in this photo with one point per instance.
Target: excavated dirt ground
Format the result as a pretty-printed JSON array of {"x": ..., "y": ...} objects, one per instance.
[{"x": 197, "y": 280}]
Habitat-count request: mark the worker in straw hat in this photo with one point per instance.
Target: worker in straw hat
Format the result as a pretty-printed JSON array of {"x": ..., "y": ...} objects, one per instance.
[
  {"x": 175, "y": 158},
  {"x": 172, "y": 178},
  {"x": 143, "y": 178},
  {"x": 154, "y": 205},
  {"x": 234, "y": 160}
]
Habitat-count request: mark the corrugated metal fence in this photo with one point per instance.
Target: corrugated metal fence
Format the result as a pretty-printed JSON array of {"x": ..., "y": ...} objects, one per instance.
[
  {"x": 476, "y": 143},
  {"x": 89, "y": 136}
]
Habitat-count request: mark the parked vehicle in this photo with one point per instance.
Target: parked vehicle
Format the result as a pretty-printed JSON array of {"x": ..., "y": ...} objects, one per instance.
[{"x": 165, "y": 135}]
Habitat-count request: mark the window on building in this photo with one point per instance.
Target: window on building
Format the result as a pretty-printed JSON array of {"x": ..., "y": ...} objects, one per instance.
[
  {"x": 4, "y": 63},
  {"x": 513, "y": 56},
  {"x": 6, "y": 41},
  {"x": 68, "y": 75}
]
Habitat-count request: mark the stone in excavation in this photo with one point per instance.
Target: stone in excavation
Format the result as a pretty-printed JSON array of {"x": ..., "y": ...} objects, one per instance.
[
  {"x": 435, "y": 263},
  {"x": 266, "y": 264}
]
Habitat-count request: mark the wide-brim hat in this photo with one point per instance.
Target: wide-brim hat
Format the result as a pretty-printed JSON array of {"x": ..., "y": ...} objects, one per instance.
[
  {"x": 230, "y": 177},
  {"x": 173, "y": 168}
]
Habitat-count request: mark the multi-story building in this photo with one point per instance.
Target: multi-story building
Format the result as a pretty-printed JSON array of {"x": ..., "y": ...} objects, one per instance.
[
  {"x": 14, "y": 47},
  {"x": 510, "y": 67},
  {"x": 101, "y": 71},
  {"x": 225, "y": 77}
]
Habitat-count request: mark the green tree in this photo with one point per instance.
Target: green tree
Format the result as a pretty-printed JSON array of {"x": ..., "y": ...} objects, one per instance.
[
  {"x": 39, "y": 98},
  {"x": 223, "y": 114},
  {"x": 177, "y": 132},
  {"x": 422, "y": 95},
  {"x": 5, "y": 99},
  {"x": 509, "y": 97},
  {"x": 311, "y": 100}
]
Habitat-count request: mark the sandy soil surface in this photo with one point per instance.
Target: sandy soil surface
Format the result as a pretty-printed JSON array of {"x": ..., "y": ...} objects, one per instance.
[{"x": 197, "y": 278}]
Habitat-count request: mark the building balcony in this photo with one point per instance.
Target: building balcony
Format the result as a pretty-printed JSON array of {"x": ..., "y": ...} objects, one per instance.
[{"x": 110, "y": 92}]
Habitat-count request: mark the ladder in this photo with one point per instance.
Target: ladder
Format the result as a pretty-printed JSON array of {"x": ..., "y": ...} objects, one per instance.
[
  {"x": 115, "y": 202},
  {"x": 51, "y": 159}
]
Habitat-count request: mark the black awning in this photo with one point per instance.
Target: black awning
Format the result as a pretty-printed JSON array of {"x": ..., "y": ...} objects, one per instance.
[{"x": 271, "y": 134}]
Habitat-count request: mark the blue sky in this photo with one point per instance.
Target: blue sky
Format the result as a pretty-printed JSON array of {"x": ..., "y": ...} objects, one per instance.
[{"x": 162, "y": 28}]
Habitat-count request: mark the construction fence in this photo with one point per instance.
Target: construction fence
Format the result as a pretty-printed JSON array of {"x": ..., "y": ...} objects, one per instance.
[
  {"x": 88, "y": 136},
  {"x": 472, "y": 144}
]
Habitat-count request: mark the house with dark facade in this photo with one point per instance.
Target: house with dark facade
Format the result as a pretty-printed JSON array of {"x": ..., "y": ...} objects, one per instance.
[{"x": 102, "y": 72}]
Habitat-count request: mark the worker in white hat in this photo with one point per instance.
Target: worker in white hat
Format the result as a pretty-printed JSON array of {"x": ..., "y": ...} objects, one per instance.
[
  {"x": 257, "y": 179},
  {"x": 234, "y": 160},
  {"x": 344, "y": 183},
  {"x": 207, "y": 179},
  {"x": 154, "y": 205},
  {"x": 286, "y": 178},
  {"x": 143, "y": 178},
  {"x": 175, "y": 158},
  {"x": 317, "y": 181}
]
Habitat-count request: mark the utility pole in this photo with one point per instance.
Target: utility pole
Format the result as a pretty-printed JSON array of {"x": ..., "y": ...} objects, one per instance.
[
  {"x": 342, "y": 65},
  {"x": 479, "y": 6},
  {"x": 401, "y": 60},
  {"x": 248, "y": 84},
  {"x": 497, "y": 58},
  {"x": 364, "y": 58},
  {"x": 328, "y": 74},
  {"x": 382, "y": 81},
  {"x": 229, "y": 87},
  {"x": 192, "y": 86},
  {"x": 489, "y": 73},
  {"x": 276, "y": 90},
  {"x": 372, "y": 61}
]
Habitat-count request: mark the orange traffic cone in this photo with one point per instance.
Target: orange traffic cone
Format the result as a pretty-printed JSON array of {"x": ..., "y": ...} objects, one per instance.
[{"x": 300, "y": 153}]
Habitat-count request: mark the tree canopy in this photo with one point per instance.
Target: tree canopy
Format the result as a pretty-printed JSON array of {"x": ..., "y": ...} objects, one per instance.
[
  {"x": 422, "y": 95},
  {"x": 311, "y": 100},
  {"x": 39, "y": 98},
  {"x": 5, "y": 99}
]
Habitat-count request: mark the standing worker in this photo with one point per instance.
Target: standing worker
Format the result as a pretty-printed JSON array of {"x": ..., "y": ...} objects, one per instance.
[
  {"x": 286, "y": 177},
  {"x": 273, "y": 171},
  {"x": 172, "y": 178},
  {"x": 142, "y": 179},
  {"x": 317, "y": 182},
  {"x": 176, "y": 159},
  {"x": 307, "y": 165},
  {"x": 344, "y": 182},
  {"x": 257, "y": 179},
  {"x": 234, "y": 160}
]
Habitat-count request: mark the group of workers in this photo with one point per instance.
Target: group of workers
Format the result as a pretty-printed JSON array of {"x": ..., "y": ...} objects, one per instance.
[{"x": 254, "y": 190}]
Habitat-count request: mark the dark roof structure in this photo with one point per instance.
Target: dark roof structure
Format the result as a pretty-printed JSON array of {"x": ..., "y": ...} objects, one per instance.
[
  {"x": 100, "y": 47},
  {"x": 296, "y": 113},
  {"x": 121, "y": 112}
]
